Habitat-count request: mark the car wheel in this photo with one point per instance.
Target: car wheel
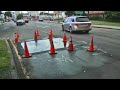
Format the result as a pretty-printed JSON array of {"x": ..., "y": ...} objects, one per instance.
[
  {"x": 87, "y": 31},
  {"x": 63, "y": 28},
  {"x": 70, "y": 29}
]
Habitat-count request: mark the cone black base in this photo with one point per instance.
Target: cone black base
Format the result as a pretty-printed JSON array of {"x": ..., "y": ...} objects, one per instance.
[
  {"x": 52, "y": 53},
  {"x": 91, "y": 51},
  {"x": 70, "y": 50},
  {"x": 27, "y": 57}
]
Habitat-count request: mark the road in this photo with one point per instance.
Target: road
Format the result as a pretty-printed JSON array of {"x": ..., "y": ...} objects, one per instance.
[{"x": 107, "y": 40}]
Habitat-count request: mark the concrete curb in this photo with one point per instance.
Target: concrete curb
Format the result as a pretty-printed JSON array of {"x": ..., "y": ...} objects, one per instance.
[
  {"x": 56, "y": 22},
  {"x": 20, "y": 60},
  {"x": 106, "y": 27},
  {"x": 13, "y": 67}
]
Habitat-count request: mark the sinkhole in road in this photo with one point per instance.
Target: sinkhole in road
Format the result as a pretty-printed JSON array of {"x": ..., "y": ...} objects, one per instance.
[{"x": 43, "y": 45}]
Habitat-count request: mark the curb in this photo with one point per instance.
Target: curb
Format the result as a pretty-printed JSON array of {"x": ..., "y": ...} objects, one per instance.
[
  {"x": 105, "y": 27},
  {"x": 20, "y": 61},
  {"x": 13, "y": 67},
  {"x": 56, "y": 22}
]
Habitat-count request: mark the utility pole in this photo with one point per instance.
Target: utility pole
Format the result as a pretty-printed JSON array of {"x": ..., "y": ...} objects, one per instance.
[
  {"x": 58, "y": 16},
  {"x": 88, "y": 14}
]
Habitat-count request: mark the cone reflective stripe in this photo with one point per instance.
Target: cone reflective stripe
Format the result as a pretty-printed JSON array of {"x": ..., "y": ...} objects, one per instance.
[
  {"x": 91, "y": 47},
  {"x": 70, "y": 47},
  {"x": 64, "y": 39},
  {"x": 18, "y": 35},
  {"x": 52, "y": 49},
  {"x": 35, "y": 36},
  {"x": 70, "y": 38},
  {"x": 50, "y": 34},
  {"x": 26, "y": 52}
]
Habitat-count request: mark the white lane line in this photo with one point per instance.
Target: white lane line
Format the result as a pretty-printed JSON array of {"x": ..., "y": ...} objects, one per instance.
[
  {"x": 45, "y": 32},
  {"x": 84, "y": 42},
  {"x": 43, "y": 26},
  {"x": 6, "y": 28}
]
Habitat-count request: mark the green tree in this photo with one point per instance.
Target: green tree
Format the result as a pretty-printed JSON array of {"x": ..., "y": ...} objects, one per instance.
[
  {"x": 19, "y": 16},
  {"x": 69, "y": 13},
  {"x": 41, "y": 13},
  {"x": 8, "y": 14},
  {"x": 112, "y": 15}
]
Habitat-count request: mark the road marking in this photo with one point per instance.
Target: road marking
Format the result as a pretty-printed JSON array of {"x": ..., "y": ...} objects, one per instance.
[
  {"x": 45, "y": 32},
  {"x": 84, "y": 42},
  {"x": 6, "y": 28},
  {"x": 43, "y": 27},
  {"x": 19, "y": 58}
]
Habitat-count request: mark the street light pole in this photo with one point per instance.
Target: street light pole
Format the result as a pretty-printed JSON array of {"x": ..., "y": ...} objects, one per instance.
[{"x": 58, "y": 16}]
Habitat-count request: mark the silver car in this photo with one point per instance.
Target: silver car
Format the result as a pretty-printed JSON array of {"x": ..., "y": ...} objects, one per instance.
[
  {"x": 20, "y": 22},
  {"x": 77, "y": 23}
]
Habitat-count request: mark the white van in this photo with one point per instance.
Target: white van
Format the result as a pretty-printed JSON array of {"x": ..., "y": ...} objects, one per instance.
[{"x": 41, "y": 19}]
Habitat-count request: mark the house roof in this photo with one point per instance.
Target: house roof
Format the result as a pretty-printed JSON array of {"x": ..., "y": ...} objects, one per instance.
[{"x": 96, "y": 12}]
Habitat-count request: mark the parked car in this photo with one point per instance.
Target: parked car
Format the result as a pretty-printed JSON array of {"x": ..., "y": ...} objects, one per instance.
[
  {"x": 77, "y": 23},
  {"x": 20, "y": 22},
  {"x": 40, "y": 19},
  {"x": 26, "y": 20}
]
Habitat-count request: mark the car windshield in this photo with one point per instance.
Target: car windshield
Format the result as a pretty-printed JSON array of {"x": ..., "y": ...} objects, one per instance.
[{"x": 82, "y": 19}]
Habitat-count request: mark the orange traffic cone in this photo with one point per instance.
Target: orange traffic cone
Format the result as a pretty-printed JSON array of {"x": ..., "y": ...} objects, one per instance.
[
  {"x": 35, "y": 36},
  {"x": 91, "y": 47},
  {"x": 52, "y": 49},
  {"x": 18, "y": 35},
  {"x": 64, "y": 39},
  {"x": 26, "y": 52},
  {"x": 16, "y": 39},
  {"x": 50, "y": 34},
  {"x": 70, "y": 47},
  {"x": 38, "y": 34}
]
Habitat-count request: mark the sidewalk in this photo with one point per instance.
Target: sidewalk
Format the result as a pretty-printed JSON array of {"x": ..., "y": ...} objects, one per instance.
[{"x": 106, "y": 27}]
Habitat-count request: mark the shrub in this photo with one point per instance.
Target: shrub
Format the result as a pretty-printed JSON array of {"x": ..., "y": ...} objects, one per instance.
[{"x": 19, "y": 16}]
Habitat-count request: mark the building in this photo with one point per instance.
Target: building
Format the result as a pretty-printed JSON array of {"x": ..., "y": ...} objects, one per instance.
[
  {"x": 26, "y": 16},
  {"x": 17, "y": 12},
  {"x": 46, "y": 15},
  {"x": 34, "y": 15},
  {"x": 58, "y": 14},
  {"x": 96, "y": 12}
]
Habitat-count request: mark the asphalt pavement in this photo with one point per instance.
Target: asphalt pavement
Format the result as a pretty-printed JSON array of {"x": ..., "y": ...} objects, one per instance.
[{"x": 105, "y": 62}]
